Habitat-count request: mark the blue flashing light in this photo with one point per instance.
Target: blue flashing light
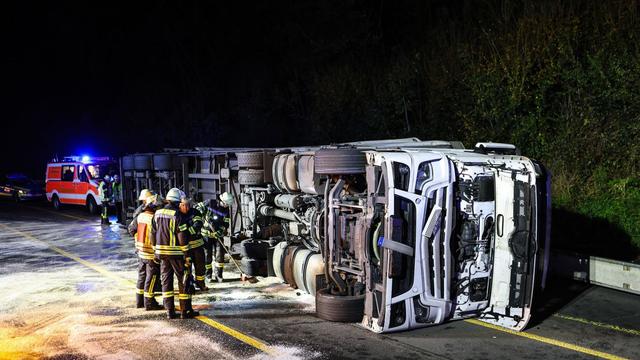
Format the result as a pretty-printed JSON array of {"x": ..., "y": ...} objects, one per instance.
[{"x": 85, "y": 158}]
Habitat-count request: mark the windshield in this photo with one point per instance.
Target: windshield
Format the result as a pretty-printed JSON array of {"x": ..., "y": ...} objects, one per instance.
[{"x": 98, "y": 171}]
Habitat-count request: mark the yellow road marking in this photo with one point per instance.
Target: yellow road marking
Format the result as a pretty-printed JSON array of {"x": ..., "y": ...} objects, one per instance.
[
  {"x": 238, "y": 335},
  {"x": 549, "y": 341},
  {"x": 221, "y": 327},
  {"x": 598, "y": 324}
]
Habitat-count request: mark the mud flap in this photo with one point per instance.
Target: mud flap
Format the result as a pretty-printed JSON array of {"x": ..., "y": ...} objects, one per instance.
[{"x": 514, "y": 252}]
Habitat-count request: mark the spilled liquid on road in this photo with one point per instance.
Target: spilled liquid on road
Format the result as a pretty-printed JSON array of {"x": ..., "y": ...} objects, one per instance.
[{"x": 51, "y": 305}]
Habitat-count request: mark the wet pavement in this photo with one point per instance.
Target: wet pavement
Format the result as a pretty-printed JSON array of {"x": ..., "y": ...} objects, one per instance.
[{"x": 67, "y": 292}]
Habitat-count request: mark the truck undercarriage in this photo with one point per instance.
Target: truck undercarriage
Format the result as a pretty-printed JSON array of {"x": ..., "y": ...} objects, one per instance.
[{"x": 392, "y": 234}]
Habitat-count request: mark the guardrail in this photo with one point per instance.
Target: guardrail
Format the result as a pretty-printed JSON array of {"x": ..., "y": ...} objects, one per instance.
[{"x": 614, "y": 274}]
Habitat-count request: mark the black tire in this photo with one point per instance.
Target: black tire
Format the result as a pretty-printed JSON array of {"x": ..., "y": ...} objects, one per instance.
[
  {"x": 253, "y": 267},
  {"x": 251, "y": 160},
  {"x": 340, "y": 161},
  {"x": 57, "y": 205},
  {"x": 251, "y": 177},
  {"x": 339, "y": 308},
  {"x": 92, "y": 207},
  {"x": 254, "y": 249}
]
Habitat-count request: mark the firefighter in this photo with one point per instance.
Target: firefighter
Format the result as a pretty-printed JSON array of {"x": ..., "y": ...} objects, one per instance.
[
  {"x": 207, "y": 235},
  {"x": 144, "y": 195},
  {"x": 219, "y": 225},
  {"x": 117, "y": 197},
  {"x": 148, "y": 266},
  {"x": 193, "y": 218},
  {"x": 169, "y": 236},
  {"x": 105, "y": 192}
]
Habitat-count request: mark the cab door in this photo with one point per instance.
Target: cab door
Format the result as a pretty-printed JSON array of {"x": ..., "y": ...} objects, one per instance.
[
  {"x": 66, "y": 185},
  {"x": 81, "y": 183}
]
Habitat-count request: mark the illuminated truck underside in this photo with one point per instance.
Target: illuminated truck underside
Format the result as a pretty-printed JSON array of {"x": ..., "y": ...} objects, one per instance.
[{"x": 394, "y": 235}]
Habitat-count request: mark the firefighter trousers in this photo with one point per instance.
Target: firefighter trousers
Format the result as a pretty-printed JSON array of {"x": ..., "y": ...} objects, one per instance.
[
  {"x": 198, "y": 257},
  {"x": 148, "y": 284},
  {"x": 104, "y": 214},
  {"x": 219, "y": 257},
  {"x": 170, "y": 265},
  {"x": 208, "y": 248}
]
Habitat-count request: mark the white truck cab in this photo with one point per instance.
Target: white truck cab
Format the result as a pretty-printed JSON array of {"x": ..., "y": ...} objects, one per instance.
[{"x": 463, "y": 226}]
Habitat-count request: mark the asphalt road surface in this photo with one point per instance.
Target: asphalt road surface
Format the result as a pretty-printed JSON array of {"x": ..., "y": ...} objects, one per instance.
[{"x": 67, "y": 292}]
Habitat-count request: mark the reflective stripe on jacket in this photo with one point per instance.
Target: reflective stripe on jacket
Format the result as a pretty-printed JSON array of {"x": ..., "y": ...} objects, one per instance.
[
  {"x": 194, "y": 220},
  {"x": 215, "y": 220},
  {"x": 104, "y": 191},
  {"x": 144, "y": 246},
  {"x": 169, "y": 232}
]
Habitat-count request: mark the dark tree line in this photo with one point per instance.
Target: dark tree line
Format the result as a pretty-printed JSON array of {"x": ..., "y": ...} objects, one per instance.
[{"x": 561, "y": 80}]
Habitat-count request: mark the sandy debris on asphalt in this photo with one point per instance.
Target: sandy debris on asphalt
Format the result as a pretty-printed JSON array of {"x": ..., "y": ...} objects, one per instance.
[{"x": 61, "y": 307}]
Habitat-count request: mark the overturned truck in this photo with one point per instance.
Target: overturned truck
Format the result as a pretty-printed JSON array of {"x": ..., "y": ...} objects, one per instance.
[{"x": 392, "y": 234}]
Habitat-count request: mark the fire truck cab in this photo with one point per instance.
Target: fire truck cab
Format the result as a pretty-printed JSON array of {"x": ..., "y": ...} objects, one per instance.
[{"x": 75, "y": 180}]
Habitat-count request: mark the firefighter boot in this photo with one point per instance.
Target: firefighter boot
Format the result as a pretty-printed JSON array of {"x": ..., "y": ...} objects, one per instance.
[
  {"x": 171, "y": 310},
  {"x": 219, "y": 274},
  {"x": 201, "y": 285},
  {"x": 209, "y": 273},
  {"x": 139, "y": 301},
  {"x": 187, "y": 310},
  {"x": 151, "y": 304}
]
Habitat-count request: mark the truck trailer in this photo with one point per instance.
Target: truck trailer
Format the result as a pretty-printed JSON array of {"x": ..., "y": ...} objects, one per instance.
[{"x": 392, "y": 234}]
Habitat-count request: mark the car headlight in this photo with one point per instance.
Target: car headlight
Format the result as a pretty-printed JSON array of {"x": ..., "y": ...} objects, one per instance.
[{"x": 21, "y": 192}]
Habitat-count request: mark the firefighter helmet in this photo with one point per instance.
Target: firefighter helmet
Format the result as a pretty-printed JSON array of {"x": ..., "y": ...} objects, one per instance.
[
  {"x": 174, "y": 194},
  {"x": 151, "y": 200},
  {"x": 226, "y": 198},
  {"x": 144, "y": 194}
]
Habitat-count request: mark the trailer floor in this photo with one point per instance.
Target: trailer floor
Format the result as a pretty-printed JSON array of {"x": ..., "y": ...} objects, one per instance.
[{"x": 67, "y": 292}]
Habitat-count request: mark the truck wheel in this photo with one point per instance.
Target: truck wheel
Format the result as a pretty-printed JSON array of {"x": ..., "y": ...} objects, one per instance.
[
  {"x": 56, "y": 202},
  {"x": 339, "y": 308},
  {"x": 340, "y": 161},
  {"x": 253, "y": 267},
  {"x": 251, "y": 177},
  {"x": 251, "y": 160},
  {"x": 92, "y": 207},
  {"x": 254, "y": 249}
]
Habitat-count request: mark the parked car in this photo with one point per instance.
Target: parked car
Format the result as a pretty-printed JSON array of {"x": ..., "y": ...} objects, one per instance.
[{"x": 19, "y": 187}]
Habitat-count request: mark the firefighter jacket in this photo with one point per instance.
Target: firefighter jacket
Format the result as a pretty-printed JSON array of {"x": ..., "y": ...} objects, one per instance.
[
  {"x": 169, "y": 232},
  {"x": 193, "y": 218},
  {"x": 104, "y": 191},
  {"x": 144, "y": 246},
  {"x": 116, "y": 189},
  {"x": 133, "y": 225},
  {"x": 215, "y": 220}
]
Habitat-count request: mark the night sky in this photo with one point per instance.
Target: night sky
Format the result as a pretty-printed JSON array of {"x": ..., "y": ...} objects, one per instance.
[{"x": 105, "y": 79}]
